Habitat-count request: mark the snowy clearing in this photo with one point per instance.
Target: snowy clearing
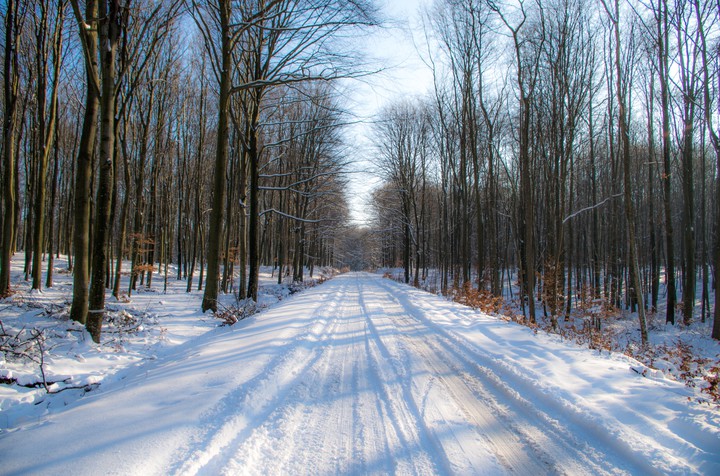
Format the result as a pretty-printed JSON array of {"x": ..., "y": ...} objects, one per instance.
[{"x": 364, "y": 375}]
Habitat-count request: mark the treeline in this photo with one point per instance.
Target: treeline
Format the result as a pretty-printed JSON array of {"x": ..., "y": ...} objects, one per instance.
[
  {"x": 573, "y": 140},
  {"x": 201, "y": 133}
]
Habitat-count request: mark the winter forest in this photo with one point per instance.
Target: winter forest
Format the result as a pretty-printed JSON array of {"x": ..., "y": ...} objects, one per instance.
[
  {"x": 575, "y": 141},
  {"x": 167, "y": 165},
  {"x": 572, "y": 141}
]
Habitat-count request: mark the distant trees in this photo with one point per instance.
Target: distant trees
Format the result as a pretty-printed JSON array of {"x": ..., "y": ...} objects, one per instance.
[
  {"x": 569, "y": 140},
  {"x": 402, "y": 155}
]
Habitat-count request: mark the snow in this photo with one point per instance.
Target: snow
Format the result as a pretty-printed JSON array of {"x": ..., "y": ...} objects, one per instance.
[{"x": 357, "y": 375}]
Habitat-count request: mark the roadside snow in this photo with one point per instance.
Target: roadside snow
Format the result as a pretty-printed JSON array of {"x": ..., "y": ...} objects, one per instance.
[{"x": 140, "y": 328}]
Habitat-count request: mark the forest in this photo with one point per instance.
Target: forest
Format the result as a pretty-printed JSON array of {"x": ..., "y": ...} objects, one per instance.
[
  {"x": 574, "y": 141},
  {"x": 206, "y": 134},
  {"x": 570, "y": 145}
]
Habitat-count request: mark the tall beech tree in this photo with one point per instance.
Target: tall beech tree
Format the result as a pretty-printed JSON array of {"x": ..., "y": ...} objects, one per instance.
[
  {"x": 527, "y": 59},
  {"x": 88, "y": 28},
  {"x": 100, "y": 29},
  {"x": 14, "y": 20},
  {"x": 688, "y": 56},
  {"x": 621, "y": 90},
  {"x": 221, "y": 13},
  {"x": 106, "y": 18},
  {"x": 660, "y": 11}
]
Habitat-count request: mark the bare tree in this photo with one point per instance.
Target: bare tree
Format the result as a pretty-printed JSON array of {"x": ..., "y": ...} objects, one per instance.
[
  {"x": 527, "y": 58},
  {"x": 621, "y": 88},
  {"x": 661, "y": 43},
  {"x": 14, "y": 16},
  {"x": 401, "y": 142},
  {"x": 222, "y": 65},
  {"x": 710, "y": 102},
  {"x": 688, "y": 54},
  {"x": 47, "y": 37},
  {"x": 88, "y": 31}
]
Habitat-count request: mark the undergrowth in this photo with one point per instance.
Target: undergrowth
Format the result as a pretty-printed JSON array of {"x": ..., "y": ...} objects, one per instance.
[
  {"x": 471, "y": 296},
  {"x": 36, "y": 345},
  {"x": 242, "y": 309}
]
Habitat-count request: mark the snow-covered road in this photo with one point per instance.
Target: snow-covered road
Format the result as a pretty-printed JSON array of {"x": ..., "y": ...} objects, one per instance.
[{"x": 365, "y": 376}]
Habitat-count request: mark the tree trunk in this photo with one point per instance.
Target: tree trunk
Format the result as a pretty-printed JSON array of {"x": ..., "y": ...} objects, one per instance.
[
  {"x": 109, "y": 38},
  {"x": 627, "y": 183},
  {"x": 11, "y": 81},
  {"x": 652, "y": 156},
  {"x": 46, "y": 133},
  {"x": 201, "y": 276},
  {"x": 181, "y": 186},
  {"x": 406, "y": 247},
  {"x": 254, "y": 202},
  {"x": 221, "y": 155},
  {"x": 689, "y": 276},
  {"x": 595, "y": 218},
  {"x": 123, "y": 224},
  {"x": 663, "y": 78},
  {"x": 83, "y": 170},
  {"x": 139, "y": 239},
  {"x": 51, "y": 217},
  {"x": 152, "y": 222},
  {"x": 528, "y": 206},
  {"x": 242, "y": 227}
]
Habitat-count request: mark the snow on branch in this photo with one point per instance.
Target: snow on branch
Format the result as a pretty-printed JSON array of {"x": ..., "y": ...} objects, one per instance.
[
  {"x": 287, "y": 215},
  {"x": 591, "y": 207}
]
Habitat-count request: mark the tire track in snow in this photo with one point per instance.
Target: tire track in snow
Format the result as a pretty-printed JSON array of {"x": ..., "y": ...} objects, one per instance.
[
  {"x": 247, "y": 406},
  {"x": 371, "y": 440},
  {"x": 308, "y": 423},
  {"x": 460, "y": 422},
  {"x": 399, "y": 405},
  {"x": 346, "y": 417},
  {"x": 544, "y": 422},
  {"x": 371, "y": 385}
]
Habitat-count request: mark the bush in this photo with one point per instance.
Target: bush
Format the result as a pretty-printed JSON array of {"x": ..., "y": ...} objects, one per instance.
[{"x": 481, "y": 299}]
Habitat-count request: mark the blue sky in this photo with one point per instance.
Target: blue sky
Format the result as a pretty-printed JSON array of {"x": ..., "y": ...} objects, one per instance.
[{"x": 404, "y": 73}]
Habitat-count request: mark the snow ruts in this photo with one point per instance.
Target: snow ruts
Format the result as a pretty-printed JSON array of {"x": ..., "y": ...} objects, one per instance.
[
  {"x": 364, "y": 376},
  {"x": 370, "y": 377}
]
